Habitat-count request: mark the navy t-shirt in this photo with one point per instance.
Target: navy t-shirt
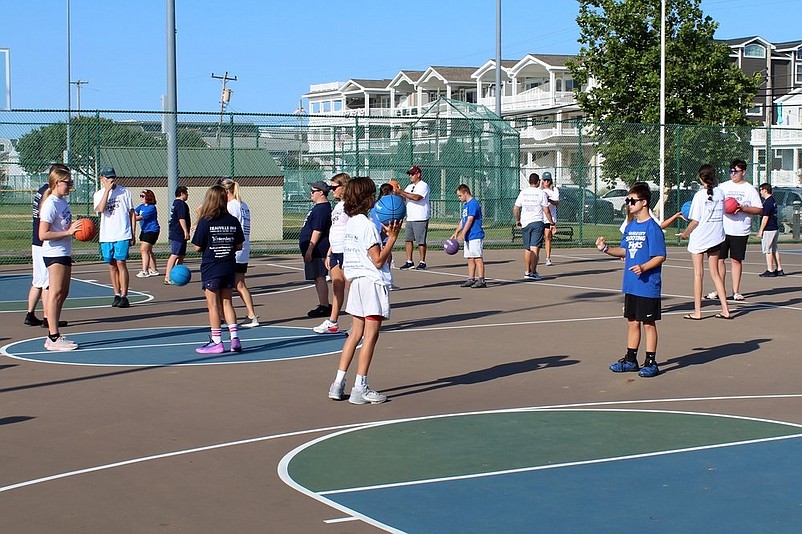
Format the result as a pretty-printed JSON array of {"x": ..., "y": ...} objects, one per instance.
[
  {"x": 37, "y": 199},
  {"x": 179, "y": 210},
  {"x": 218, "y": 238},
  {"x": 770, "y": 211},
  {"x": 318, "y": 218}
]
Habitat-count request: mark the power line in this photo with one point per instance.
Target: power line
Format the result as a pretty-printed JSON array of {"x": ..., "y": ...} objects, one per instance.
[{"x": 225, "y": 98}]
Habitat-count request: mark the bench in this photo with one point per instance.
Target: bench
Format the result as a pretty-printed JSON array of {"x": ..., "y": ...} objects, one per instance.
[{"x": 563, "y": 233}]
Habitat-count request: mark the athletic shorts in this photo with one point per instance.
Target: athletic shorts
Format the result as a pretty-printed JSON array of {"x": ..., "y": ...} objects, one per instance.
[
  {"x": 532, "y": 235},
  {"x": 241, "y": 268},
  {"x": 473, "y": 248},
  {"x": 417, "y": 231},
  {"x": 218, "y": 283},
  {"x": 40, "y": 277},
  {"x": 734, "y": 246},
  {"x": 366, "y": 298},
  {"x": 643, "y": 309},
  {"x": 117, "y": 250},
  {"x": 336, "y": 260},
  {"x": 178, "y": 248},
  {"x": 769, "y": 242},
  {"x": 59, "y": 260},
  {"x": 149, "y": 237},
  {"x": 315, "y": 269}
]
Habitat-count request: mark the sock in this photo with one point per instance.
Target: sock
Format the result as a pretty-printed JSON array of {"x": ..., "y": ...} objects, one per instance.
[
  {"x": 632, "y": 354},
  {"x": 217, "y": 335},
  {"x": 340, "y": 378},
  {"x": 361, "y": 382},
  {"x": 481, "y": 280},
  {"x": 53, "y": 337},
  {"x": 233, "y": 330},
  {"x": 471, "y": 279},
  {"x": 650, "y": 358}
]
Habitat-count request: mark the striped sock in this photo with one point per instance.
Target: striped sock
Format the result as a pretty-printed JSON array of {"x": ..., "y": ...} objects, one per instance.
[
  {"x": 233, "y": 330},
  {"x": 217, "y": 335}
]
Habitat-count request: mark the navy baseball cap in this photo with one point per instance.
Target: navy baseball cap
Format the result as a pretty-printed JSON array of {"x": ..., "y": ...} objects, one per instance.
[{"x": 108, "y": 172}]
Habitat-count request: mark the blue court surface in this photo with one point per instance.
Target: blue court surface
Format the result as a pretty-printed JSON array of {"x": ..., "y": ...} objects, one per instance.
[
  {"x": 14, "y": 290},
  {"x": 176, "y": 346}
]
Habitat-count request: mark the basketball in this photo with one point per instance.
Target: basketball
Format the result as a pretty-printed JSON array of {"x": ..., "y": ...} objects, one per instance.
[
  {"x": 686, "y": 209},
  {"x": 390, "y": 208},
  {"x": 180, "y": 275},
  {"x": 87, "y": 231},
  {"x": 730, "y": 205},
  {"x": 450, "y": 246},
  {"x": 395, "y": 184}
]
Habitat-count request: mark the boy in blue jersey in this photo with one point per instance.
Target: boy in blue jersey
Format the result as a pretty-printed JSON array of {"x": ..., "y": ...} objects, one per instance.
[
  {"x": 643, "y": 247},
  {"x": 470, "y": 226}
]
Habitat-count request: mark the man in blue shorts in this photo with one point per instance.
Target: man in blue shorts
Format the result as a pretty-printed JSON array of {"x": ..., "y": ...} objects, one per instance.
[{"x": 530, "y": 210}]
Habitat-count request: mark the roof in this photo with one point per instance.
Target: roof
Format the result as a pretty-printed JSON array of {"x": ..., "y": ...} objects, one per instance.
[
  {"x": 454, "y": 74},
  {"x": 192, "y": 162},
  {"x": 554, "y": 60}
]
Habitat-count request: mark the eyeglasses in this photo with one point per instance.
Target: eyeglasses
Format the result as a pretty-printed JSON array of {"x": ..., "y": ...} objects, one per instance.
[
  {"x": 315, "y": 191},
  {"x": 632, "y": 201},
  {"x": 335, "y": 186},
  {"x": 736, "y": 171}
]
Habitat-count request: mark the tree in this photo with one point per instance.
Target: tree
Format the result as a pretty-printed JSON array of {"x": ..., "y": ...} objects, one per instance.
[{"x": 620, "y": 54}]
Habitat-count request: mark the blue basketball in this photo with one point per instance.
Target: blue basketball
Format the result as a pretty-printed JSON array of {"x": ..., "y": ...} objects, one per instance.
[
  {"x": 390, "y": 208},
  {"x": 180, "y": 275},
  {"x": 686, "y": 209}
]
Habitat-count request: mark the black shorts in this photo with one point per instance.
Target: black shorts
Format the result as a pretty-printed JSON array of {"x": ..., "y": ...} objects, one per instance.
[
  {"x": 149, "y": 237},
  {"x": 58, "y": 260},
  {"x": 336, "y": 260},
  {"x": 643, "y": 309},
  {"x": 734, "y": 246},
  {"x": 241, "y": 268}
]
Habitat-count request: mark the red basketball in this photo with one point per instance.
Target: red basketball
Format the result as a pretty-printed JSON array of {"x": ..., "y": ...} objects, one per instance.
[
  {"x": 730, "y": 205},
  {"x": 87, "y": 231}
]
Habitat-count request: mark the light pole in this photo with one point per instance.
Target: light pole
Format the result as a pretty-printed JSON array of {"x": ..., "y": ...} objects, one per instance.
[
  {"x": 69, "y": 89},
  {"x": 7, "y": 52}
]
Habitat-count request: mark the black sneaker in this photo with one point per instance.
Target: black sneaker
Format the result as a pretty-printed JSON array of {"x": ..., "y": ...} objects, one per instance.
[
  {"x": 779, "y": 273},
  {"x": 768, "y": 274},
  {"x": 421, "y": 266},
  {"x": 124, "y": 303},
  {"x": 407, "y": 265},
  {"x": 61, "y": 324},
  {"x": 116, "y": 302},
  {"x": 32, "y": 320},
  {"x": 468, "y": 283},
  {"x": 320, "y": 311}
]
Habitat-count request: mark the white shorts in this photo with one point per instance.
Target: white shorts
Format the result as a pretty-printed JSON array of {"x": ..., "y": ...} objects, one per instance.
[
  {"x": 769, "y": 241},
  {"x": 366, "y": 298},
  {"x": 473, "y": 248},
  {"x": 41, "y": 278}
]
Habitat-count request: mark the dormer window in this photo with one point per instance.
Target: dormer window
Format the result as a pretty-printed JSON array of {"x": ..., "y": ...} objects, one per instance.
[{"x": 755, "y": 50}]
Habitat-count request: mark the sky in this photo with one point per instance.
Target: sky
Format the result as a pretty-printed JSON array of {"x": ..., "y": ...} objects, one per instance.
[{"x": 277, "y": 48}]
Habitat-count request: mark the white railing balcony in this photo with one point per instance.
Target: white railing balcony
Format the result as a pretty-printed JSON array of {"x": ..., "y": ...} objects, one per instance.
[
  {"x": 542, "y": 132},
  {"x": 533, "y": 99},
  {"x": 780, "y": 135}
]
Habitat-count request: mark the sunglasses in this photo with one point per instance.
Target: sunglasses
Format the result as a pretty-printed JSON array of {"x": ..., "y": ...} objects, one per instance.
[
  {"x": 68, "y": 182},
  {"x": 735, "y": 171},
  {"x": 315, "y": 191},
  {"x": 632, "y": 201}
]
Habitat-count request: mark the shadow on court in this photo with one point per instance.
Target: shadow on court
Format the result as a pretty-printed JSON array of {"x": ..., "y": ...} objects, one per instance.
[
  {"x": 15, "y": 419},
  {"x": 703, "y": 355}
]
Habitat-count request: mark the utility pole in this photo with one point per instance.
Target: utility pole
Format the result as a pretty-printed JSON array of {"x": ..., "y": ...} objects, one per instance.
[
  {"x": 78, "y": 84},
  {"x": 225, "y": 98}
]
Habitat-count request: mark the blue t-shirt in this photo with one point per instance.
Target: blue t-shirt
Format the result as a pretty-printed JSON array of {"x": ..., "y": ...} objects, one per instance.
[
  {"x": 473, "y": 209},
  {"x": 179, "y": 210},
  {"x": 218, "y": 238},
  {"x": 318, "y": 218},
  {"x": 642, "y": 241},
  {"x": 150, "y": 221},
  {"x": 37, "y": 199},
  {"x": 770, "y": 211}
]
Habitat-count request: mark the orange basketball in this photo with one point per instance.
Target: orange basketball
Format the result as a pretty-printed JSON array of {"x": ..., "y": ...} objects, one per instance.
[
  {"x": 87, "y": 231},
  {"x": 395, "y": 184}
]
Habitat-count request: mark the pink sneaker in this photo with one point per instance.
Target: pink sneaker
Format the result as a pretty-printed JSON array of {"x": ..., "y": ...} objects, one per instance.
[
  {"x": 236, "y": 345},
  {"x": 211, "y": 348}
]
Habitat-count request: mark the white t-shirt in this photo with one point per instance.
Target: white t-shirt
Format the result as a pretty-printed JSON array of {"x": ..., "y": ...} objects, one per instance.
[
  {"x": 115, "y": 220},
  {"x": 360, "y": 235},
  {"x": 418, "y": 210},
  {"x": 532, "y": 202},
  {"x": 709, "y": 214},
  {"x": 553, "y": 194},
  {"x": 242, "y": 212},
  {"x": 337, "y": 231},
  {"x": 56, "y": 211},
  {"x": 745, "y": 193}
]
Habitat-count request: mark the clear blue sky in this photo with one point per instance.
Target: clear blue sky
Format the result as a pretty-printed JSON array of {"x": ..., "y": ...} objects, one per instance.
[{"x": 278, "y": 48}]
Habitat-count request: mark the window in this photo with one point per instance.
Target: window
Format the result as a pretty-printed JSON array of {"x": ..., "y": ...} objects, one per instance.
[
  {"x": 755, "y": 111},
  {"x": 754, "y": 50},
  {"x": 799, "y": 73},
  {"x": 799, "y": 54}
]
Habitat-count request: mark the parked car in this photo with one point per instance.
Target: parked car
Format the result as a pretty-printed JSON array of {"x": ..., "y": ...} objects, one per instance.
[
  {"x": 616, "y": 198},
  {"x": 582, "y": 204},
  {"x": 785, "y": 198}
]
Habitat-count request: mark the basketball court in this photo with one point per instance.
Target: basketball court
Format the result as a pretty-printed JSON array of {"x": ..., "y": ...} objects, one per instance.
[{"x": 502, "y": 413}]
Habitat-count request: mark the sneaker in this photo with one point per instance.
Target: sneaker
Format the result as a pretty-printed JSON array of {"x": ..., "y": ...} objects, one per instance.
[
  {"x": 712, "y": 295},
  {"x": 624, "y": 366},
  {"x": 142, "y": 274},
  {"x": 327, "y": 327},
  {"x": 124, "y": 303},
  {"x": 61, "y": 344},
  {"x": 535, "y": 277},
  {"x": 45, "y": 324},
  {"x": 738, "y": 296},
  {"x": 320, "y": 311},
  {"x": 211, "y": 348},
  {"x": 527, "y": 275},
  {"x": 407, "y": 265},
  {"x": 649, "y": 369},
  {"x": 548, "y": 262},
  {"x": 116, "y": 302},
  {"x": 168, "y": 282},
  {"x": 421, "y": 267},
  {"x": 31, "y": 320},
  {"x": 251, "y": 322},
  {"x": 336, "y": 390},
  {"x": 364, "y": 396},
  {"x": 479, "y": 284},
  {"x": 394, "y": 287},
  {"x": 468, "y": 283},
  {"x": 779, "y": 273},
  {"x": 153, "y": 272},
  {"x": 768, "y": 274},
  {"x": 236, "y": 345}
]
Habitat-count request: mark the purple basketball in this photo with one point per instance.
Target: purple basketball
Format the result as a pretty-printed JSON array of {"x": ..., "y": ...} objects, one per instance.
[
  {"x": 451, "y": 246},
  {"x": 390, "y": 208}
]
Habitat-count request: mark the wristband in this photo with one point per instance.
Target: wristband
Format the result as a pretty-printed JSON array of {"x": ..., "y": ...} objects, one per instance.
[{"x": 605, "y": 249}]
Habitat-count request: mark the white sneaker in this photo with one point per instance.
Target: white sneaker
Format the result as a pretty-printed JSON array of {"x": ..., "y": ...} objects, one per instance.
[
  {"x": 336, "y": 390},
  {"x": 712, "y": 295},
  {"x": 142, "y": 274},
  {"x": 548, "y": 262},
  {"x": 251, "y": 322},
  {"x": 61, "y": 344},
  {"x": 153, "y": 272},
  {"x": 364, "y": 396},
  {"x": 327, "y": 327},
  {"x": 535, "y": 277}
]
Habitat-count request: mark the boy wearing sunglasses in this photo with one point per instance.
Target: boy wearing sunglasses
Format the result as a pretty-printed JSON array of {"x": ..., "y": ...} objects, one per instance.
[{"x": 643, "y": 247}]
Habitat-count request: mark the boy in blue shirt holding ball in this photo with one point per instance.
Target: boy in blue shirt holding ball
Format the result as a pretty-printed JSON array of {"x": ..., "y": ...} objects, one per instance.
[{"x": 470, "y": 226}]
